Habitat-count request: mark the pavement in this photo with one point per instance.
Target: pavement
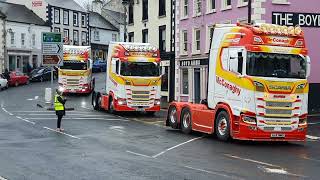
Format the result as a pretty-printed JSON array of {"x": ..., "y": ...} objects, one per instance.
[{"x": 97, "y": 145}]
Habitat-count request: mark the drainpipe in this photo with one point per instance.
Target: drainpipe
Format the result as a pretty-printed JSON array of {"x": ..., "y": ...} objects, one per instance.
[
  {"x": 172, "y": 55},
  {"x": 4, "y": 46},
  {"x": 249, "y": 11}
]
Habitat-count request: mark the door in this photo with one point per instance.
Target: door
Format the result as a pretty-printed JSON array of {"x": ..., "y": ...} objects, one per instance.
[{"x": 197, "y": 85}]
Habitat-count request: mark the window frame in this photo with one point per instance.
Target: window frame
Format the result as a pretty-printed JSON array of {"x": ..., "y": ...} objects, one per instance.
[
  {"x": 96, "y": 35},
  {"x": 145, "y": 9},
  {"x": 23, "y": 39},
  {"x": 162, "y": 11},
  {"x": 209, "y": 40},
  {"x": 131, "y": 35},
  {"x": 162, "y": 40},
  {"x": 68, "y": 35},
  {"x": 184, "y": 44},
  {"x": 74, "y": 40},
  {"x": 77, "y": 19},
  {"x": 242, "y": 3},
  {"x": 12, "y": 38},
  {"x": 183, "y": 81},
  {"x": 85, "y": 39},
  {"x": 56, "y": 28},
  {"x": 33, "y": 40},
  {"x": 184, "y": 9},
  {"x": 145, "y": 32},
  {"x": 225, "y": 6},
  {"x": 196, "y": 8},
  {"x": 83, "y": 20},
  {"x": 65, "y": 12},
  {"x": 195, "y": 41},
  {"x": 116, "y": 37},
  {"x": 56, "y": 20},
  {"x": 210, "y": 6},
  {"x": 130, "y": 14}
]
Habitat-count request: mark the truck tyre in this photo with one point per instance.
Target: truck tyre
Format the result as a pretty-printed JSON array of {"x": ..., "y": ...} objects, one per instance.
[
  {"x": 111, "y": 106},
  {"x": 151, "y": 113},
  {"x": 186, "y": 121},
  {"x": 172, "y": 117},
  {"x": 95, "y": 103},
  {"x": 222, "y": 126}
]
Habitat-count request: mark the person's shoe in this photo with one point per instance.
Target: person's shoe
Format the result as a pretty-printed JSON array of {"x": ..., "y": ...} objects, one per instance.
[
  {"x": 61, "y": 129},
  {"x": 58, "y": 129}
]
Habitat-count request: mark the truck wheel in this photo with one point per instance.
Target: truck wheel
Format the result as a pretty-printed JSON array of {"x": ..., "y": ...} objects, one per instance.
[
  {"x": 96, "y": 101},
  {"x": 111, "y": 106},
  {"x": 222, "y": 126},
  {"x": 151, "y": 113},
  {"x": 172, "y": 117},
  {"x": 186, "y": 121}
]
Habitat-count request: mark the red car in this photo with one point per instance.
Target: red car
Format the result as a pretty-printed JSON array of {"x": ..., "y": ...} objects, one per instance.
[{"x": 17, "y": 78}]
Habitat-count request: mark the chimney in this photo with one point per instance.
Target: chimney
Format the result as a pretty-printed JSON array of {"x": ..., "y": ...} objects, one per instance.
[{"x": 97, "y": 6}]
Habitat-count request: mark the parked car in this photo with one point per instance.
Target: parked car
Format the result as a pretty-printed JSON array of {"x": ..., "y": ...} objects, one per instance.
[
  {"x": 99, "y": 66},
  {"x": 3, "y": 82},
  {"x": 42, "y": 74},
  {"x": 17, "y": 78}
]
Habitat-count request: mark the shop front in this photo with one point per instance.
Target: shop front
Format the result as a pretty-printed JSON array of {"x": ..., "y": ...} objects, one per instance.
[{"x": 99, "y": 51}]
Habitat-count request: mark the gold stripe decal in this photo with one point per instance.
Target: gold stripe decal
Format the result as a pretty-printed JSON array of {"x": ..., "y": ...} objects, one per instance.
[{"x": 233, "y": 88}]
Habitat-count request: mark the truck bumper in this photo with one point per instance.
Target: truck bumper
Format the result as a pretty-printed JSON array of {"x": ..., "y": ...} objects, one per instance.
[
  {"x": 126, "y": 108},
  {"x": 251, "y": 132}
]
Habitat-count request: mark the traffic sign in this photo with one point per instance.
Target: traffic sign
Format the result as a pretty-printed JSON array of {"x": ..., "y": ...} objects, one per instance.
[{"x": 52, "y": 49}]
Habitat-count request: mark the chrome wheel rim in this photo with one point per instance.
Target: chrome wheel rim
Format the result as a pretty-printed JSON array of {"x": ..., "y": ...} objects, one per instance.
[
  {"x": 173, "y": 117},
  {"x": 94, "y": 102},
  {"x": 222, "y": 126},
  {"x": 186, "y": 120},
  {"x": 99, "y": 100}
]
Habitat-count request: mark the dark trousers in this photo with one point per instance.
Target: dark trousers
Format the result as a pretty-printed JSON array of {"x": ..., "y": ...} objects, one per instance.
[{"x": 59, "y": 121}]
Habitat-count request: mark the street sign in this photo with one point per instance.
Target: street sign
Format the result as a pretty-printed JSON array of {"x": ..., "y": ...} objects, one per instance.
[{"x": 52, "y": 49}]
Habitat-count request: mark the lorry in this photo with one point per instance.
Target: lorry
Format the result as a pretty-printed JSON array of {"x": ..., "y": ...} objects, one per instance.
[
  {"x": 257, "y": 86},
  {"x": 133, "y": 79},
  {"x": 75, "y": 76}
]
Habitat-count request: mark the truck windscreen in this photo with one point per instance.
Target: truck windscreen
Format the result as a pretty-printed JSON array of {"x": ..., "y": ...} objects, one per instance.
[
  {"x": 73, "y": 65},
  {"x": 276, "y": 65},
  {"x": 144, "y": 69}
]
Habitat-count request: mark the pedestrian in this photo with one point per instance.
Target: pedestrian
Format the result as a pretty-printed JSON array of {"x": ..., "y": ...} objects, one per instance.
[
  {"x": 59, "y": 102},
  {"x": 6, "y": 74}
]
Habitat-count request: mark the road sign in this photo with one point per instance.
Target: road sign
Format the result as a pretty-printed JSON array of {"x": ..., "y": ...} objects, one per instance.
[{"x": 52, "y": 49}]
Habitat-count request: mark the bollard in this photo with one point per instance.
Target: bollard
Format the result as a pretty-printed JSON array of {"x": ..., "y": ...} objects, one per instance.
[{"x": 48, "y": 95}]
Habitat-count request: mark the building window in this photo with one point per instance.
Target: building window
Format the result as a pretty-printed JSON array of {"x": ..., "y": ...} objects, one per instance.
[
  {"x": 84, "y": 38},
  {"x": 83, "y": 21},
  {"x": 75, "y": 19},
  {"x": 242, "y": 3},
  {"x": 23, "y": 39},
  {"x": 12, "y": 38},
  {"x": 210, "y": 34},
  {"x": 285, "y": 2},
  {"x": 114, "y": 37},
  {"x": 185, "y": 8},
  {"x": 145, "y": 36},
  {"x": 185, "y": 40},
  {"x": 162, "y": 38},
  {"x": 57, "y": 16},
  {"x": 66, "y": 36},
  {"x": 96, "y": 35},
  {"x": 130, "y": 14},
  {"x": 75, "y": 37},
  {"x": 56, "y": 29},
  {"x": 33, "y": 40},
  {"x": 162, "y": 7},
  {"x": 211, "y": 6},
  {"x": 144, "y": 10},
  {"x": 185, "y": 81},
  {"x": 226, "y": 4},
  {"x": 131, "y": 37},
  {"x": 66, "y": 17},
  {"x": 197, "y": 7},
  {"x": 196, "y": 48}
]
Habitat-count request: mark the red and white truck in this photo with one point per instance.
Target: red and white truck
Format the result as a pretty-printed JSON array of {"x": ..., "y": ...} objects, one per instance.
[
  {"x": 257, "y": 86},
  {"x": 133, "y": 79}
]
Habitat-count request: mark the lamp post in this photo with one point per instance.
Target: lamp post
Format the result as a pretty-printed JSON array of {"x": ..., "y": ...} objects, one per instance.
[
  {"x": 125, "y": 3},
  {"x": 249, "y": 11}
]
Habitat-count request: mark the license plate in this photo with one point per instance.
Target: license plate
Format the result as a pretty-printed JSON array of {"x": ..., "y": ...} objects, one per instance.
[
  {"x": 278, "y": 135},
  {"x": 140, "y": 109}
]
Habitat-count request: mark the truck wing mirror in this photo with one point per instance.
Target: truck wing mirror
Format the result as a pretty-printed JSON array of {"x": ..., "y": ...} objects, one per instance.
[{"x": 308, "y": 66}]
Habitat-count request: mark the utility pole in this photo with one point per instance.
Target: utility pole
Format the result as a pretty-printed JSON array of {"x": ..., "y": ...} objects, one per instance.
[
  {"x": 125, "y": 3},
  {"x": 249, "y": 11},
  {"x": 172, "y": 55}
]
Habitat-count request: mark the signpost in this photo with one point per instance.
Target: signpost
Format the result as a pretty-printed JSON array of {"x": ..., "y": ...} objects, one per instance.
[{"x": 52, "y": 53}]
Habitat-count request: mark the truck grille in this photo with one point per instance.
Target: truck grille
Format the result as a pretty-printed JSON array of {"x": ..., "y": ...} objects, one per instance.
[
  {"x": 278, "y": 111},
  {"x": 141, "y": 92},
  {"x": 278, "y": 104},
  {"x": 72, "y": 81},
  {"x": 140, "y": 98}
]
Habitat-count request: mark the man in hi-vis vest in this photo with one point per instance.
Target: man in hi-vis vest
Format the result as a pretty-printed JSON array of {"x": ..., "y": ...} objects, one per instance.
[{"x": 59, "y": 102}]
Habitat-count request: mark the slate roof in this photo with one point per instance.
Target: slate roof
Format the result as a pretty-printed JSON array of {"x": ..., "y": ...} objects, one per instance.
[
  {"x": 20, "y": 13},
  {"x": 68, "y": 4},
  {"x": 115, "y": 18},
  {"x": 96, "y": 20}
]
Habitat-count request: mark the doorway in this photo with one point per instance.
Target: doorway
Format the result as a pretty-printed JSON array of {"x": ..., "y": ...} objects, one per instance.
[{"x": 197, "y": 83}]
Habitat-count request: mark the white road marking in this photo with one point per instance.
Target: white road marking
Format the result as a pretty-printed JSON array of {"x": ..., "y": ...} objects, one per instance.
[
  {"x": 86, "y": 108},
  {"x": 2, "y": 178},
  {"x": 311, "y": 159},
  {"x": 117, "y": 128},
  {"x": 7, "y": 111},
  {"x": 251, "y": 160},
  {"x": 279, "y": 171},
  {"x": 53, "y": 114},
  {"x": 314, "y": 123},
  {"x": 159, "y": 154},
  {"x": 312, "y": 137},
  {"x": 62, "y": 133},
  {"x": 214, "y": 173},
  {"x": 138, "y": 154},
  {"x": 25, "y": 120},
  {"x": 79, "y": 118}
]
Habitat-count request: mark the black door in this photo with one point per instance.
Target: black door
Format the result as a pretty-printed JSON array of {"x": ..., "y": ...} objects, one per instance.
[{"x": 197, "y": 85}]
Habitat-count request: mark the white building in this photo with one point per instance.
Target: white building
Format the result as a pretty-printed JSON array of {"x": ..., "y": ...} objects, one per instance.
[
  {"x": 23, "y": 37},
  {"x": 102, "y": 32},
  {"x": 2, "y": 41},
  {"x": 65, "y": 16},
  {"x": 150, "y": 22}
]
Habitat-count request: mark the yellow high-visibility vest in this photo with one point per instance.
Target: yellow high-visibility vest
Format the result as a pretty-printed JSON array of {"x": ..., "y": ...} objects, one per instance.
[{"x": 57, "y": 105}]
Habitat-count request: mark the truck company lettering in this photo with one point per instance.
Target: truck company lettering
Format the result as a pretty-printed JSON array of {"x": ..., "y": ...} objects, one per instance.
[
  {"x": 233, "y": 88},
  {"x": 278, "y": 40},
  {"x": 293, "y": 19},
  {"x": 274, "y": 87}
]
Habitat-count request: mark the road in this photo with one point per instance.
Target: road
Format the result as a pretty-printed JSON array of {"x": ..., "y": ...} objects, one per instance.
[{"x": 97, "y": 145}]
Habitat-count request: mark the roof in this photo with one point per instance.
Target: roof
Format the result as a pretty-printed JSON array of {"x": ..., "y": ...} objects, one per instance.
[
  {"x": 20, "y": 13},
  {"x": 96, "y": 20},
  {"x": 116, "y": 18},
  {"x": 68, "y": 4}
]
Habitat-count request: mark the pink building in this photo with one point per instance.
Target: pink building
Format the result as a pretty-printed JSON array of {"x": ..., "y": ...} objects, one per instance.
[{"x": 194, "y": 26}]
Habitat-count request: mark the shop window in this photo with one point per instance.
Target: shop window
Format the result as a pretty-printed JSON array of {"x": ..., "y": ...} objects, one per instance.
[
  {"x": 185, "y": 81},
  {"x": 165, "y": 79}
]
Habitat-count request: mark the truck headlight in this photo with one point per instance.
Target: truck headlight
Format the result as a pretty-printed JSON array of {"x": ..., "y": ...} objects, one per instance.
[
  {"x": 157, "y": 102},
  {"x": 301, "y": 86},
  {"x": 249, "y": 120},
  {"x": 122, "y": 101},
  {"x": 303, "y": 121}
]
